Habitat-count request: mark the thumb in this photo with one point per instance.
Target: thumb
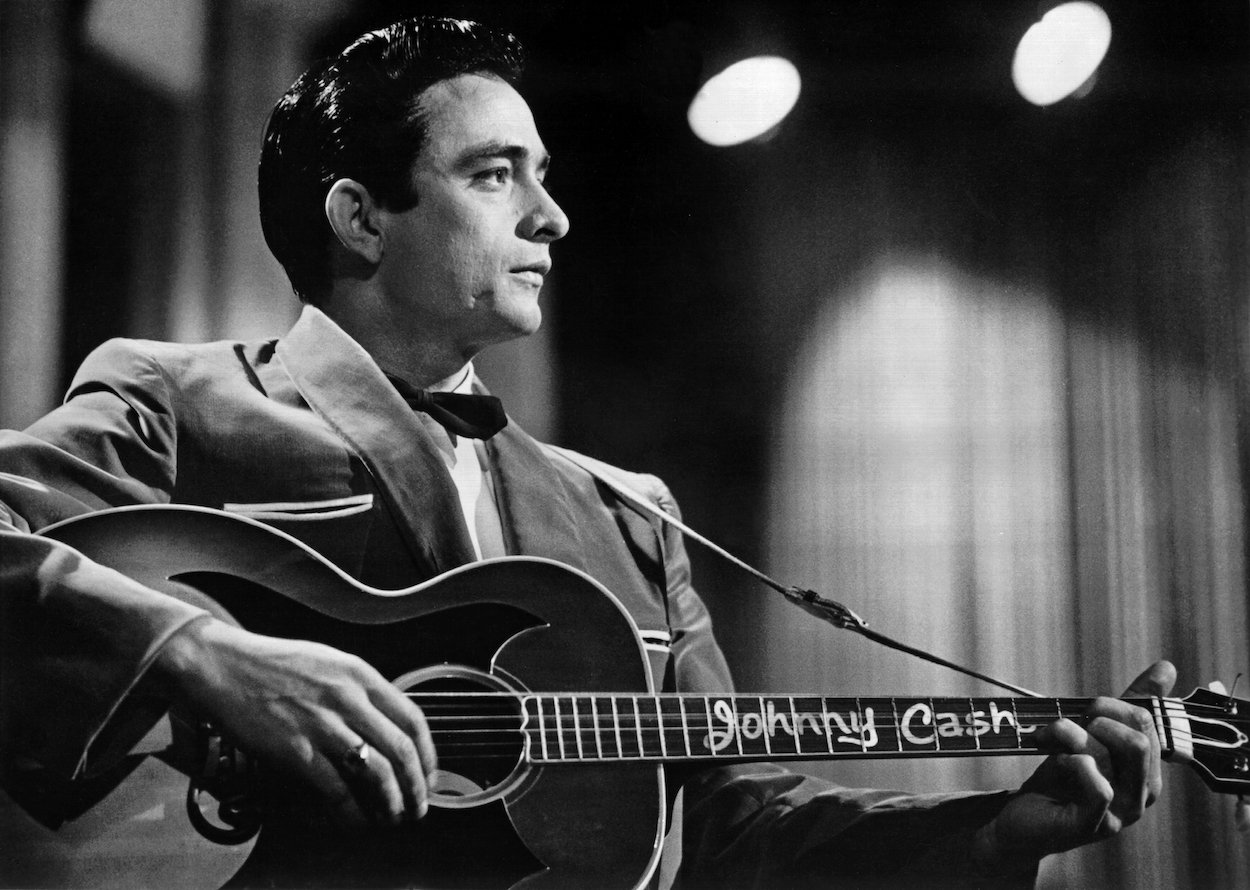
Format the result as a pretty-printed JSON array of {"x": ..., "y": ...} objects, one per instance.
[{"x": 1155, "y": 680}]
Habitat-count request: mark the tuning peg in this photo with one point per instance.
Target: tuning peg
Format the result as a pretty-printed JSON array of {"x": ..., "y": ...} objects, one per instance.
[
  {"x": 1241, "y": 814},
  {"x": 1219, "y": 689}
]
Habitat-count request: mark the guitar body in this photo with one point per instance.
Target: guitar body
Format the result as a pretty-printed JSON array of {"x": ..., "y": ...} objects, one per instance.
[
  {"x": 517, "y": 624},
  {"x": 550, "y": 734}
]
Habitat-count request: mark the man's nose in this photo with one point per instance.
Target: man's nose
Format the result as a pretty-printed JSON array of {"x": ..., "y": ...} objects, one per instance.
[{"x": 546, "y": 221}]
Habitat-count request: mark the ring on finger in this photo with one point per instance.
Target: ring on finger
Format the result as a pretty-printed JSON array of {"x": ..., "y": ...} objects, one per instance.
[{"x": 356, "y": 758}]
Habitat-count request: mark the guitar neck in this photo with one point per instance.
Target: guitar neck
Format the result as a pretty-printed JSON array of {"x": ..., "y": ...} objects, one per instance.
[{"x": 700, "y": 728}]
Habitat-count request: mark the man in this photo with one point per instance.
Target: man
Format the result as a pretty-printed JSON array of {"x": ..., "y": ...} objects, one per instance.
[{"x": 402, "y": 188}]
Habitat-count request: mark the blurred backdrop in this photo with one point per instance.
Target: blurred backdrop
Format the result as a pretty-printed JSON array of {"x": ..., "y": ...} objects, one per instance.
[{"x": 974, "y": 367}]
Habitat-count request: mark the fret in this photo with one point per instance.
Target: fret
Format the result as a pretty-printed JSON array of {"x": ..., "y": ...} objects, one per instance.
[
  {"x": 594, "y": 716},
  {"x": 1037, "y": 713},
  {"x": 750, "y": 727},
  {"x": 642, "y": 750},
  {"x": 616, "y": 726},
  {"x": 998, "y": 725},
  {"x": 685, "y": 727},
  {"x": 650, "y": 738},
  {"x": 733, "y": 704},
  {"x": 898, "y": 736},
  {"x": 866, "y": 714},
  {"x": 542, "y": 727},
  {"x": 958, "y": 727},
  {"x": 709, "y": 740},
  {"x": 846, "y": 727},
  {"x": 766, "y": 729},
  {"x": 587, "y": 727},
  {"x": 659, "y": 726},
  {"x": 573, "y": 729},
  {"x": 631, "y": 738},
  {"x": 810, "y": 736},
  {"x": 672, "y": 722},
  {"x": 824, "y": 720},
  {"x": 781, "y": 726},
  {"x": 559, "y": 728},
  {"x": 577, "y": 728}
]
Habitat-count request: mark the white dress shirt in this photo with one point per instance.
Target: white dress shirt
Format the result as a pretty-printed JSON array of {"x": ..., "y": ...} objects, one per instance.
[{"x": 466, "y": 461}]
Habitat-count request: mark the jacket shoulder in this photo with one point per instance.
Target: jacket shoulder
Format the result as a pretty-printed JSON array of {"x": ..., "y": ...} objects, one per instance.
[
  {"x": 135, "y": 359},
  {"x": 645, "y": 485},
  {"x": 127, "y": 350}
]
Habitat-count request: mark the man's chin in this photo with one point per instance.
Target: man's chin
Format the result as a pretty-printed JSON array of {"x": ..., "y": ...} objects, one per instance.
[{"x": 525, "y": 320}]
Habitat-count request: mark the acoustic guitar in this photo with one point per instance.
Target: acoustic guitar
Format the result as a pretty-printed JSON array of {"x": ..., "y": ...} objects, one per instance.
[{"x": 552, "y": 738}]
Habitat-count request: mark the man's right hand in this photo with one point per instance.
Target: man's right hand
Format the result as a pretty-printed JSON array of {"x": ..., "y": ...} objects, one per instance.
[{"x": 300, "y": 707}]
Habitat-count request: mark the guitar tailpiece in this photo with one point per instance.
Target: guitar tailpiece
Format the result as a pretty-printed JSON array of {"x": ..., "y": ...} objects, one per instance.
[{"x": 228, "y": 777}]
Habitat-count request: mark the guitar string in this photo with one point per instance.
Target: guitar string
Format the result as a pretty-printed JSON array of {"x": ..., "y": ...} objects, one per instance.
[
  {"x": 605, "y": 730},
  {"x": 601, "y": 730},
  {"x": 1218, "y": 760},
  {"x": 939, "y": 706},
  {"x": 513, "y": 752},
  {"x": 454, "y": 701},
  {"x": 675, "y": 721},
  {"x": 450, "y": 701},
  {"x": 651, "y": 752}
]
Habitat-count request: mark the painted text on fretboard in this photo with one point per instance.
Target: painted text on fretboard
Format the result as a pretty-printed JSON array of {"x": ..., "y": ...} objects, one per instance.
[{"x": 755, "y": 727}]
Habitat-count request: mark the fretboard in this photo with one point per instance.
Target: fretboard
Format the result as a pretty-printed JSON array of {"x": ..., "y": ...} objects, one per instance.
[{"x": 618, "y": 727}]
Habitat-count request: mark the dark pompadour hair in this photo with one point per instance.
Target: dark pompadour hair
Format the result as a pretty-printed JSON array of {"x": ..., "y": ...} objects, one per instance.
[{"x": 356, "y": 115}]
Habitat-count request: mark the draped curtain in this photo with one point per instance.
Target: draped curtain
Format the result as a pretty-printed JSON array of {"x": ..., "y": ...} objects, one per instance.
[
  {"x": 140, "y": 192},
  {"x": 1042, "y": 480}
]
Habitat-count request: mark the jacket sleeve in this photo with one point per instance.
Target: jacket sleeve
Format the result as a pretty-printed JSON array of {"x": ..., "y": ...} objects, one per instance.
[
  {"x": 75, "y": 636},
  {"x": 761, "y": 826}
]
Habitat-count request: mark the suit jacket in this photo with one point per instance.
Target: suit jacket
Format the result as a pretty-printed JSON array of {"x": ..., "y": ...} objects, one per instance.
[{"x": 306, "y": 433}]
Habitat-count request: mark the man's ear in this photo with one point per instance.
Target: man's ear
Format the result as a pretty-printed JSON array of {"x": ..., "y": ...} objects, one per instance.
[{"x": 353, "y": 215}]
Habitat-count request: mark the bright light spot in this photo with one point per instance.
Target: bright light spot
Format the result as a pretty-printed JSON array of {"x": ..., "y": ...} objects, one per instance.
[
  {"x": 1060, "y": 53},
  {"x": 745, "y": 100}
]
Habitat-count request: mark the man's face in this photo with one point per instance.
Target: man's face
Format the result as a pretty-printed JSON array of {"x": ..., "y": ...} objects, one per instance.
[{"x": 469, "y": 259}]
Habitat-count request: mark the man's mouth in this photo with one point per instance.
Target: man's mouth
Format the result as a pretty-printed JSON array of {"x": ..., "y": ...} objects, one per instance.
[{"x": 533, "y": 273}]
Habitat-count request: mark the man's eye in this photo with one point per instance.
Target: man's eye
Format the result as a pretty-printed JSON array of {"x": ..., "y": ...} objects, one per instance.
[{"x": 494, "y": 176}]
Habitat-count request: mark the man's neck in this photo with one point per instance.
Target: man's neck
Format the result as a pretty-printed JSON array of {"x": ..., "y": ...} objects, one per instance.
[
  {"x": 452, "y": 382},
  {"x": 425, "y": 363}
]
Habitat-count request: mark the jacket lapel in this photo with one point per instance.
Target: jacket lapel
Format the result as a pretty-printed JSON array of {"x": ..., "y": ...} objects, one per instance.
[
  {"x": 346, "y": 389},
  {"x": 536, "y": 508}
]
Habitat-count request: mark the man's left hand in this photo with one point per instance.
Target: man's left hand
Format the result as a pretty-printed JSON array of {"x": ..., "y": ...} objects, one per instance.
[{"x": 1101, "y": 776}]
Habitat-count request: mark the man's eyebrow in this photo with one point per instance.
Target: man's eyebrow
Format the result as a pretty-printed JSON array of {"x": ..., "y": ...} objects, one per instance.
[{"x": 509, "y": 150}]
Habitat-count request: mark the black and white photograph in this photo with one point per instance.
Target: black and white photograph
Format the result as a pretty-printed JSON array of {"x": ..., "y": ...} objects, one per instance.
[{"x": 670, "y": 444}]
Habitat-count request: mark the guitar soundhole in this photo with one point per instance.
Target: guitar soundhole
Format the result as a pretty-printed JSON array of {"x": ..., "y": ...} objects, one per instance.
[{"x": 475, "y": 720}]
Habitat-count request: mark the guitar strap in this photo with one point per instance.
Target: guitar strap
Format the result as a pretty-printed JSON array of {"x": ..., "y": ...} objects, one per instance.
[{"x": 808, "y": 600}]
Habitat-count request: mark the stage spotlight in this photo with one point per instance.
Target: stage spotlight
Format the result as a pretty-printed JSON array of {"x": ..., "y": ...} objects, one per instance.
[
  {"x": 1060, "y": 54},
  {"x": 744, "y": 101}
]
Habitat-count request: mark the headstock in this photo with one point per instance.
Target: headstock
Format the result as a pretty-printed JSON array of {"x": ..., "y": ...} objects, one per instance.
[{"x": 1211, "y": 730}]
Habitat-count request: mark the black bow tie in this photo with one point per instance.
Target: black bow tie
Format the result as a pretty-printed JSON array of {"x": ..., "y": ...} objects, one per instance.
[{"x": 477, "y": 417}]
